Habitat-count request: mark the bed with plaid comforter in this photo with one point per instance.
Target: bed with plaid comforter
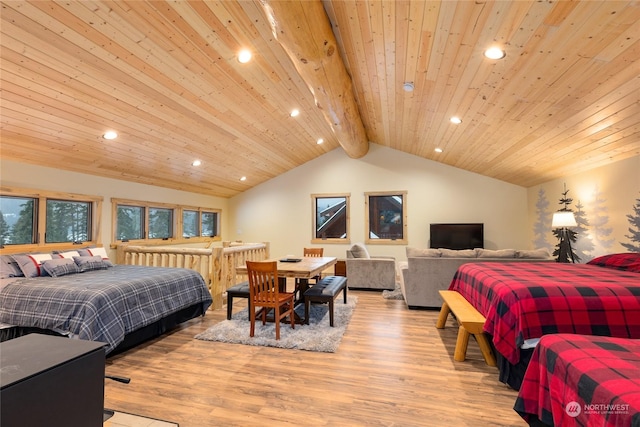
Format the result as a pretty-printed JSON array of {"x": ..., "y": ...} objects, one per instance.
[
  {"x": 528, "y": 300},
  {"x": 579, "y": 380},
  {"x": 102, "y": 305}
]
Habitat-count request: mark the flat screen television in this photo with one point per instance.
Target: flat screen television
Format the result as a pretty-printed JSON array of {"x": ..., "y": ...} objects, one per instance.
[{"x": 457, "y": 236}]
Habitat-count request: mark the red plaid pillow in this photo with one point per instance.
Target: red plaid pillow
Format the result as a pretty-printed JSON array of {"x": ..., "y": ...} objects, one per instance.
[{"x": 629, "y": 261}]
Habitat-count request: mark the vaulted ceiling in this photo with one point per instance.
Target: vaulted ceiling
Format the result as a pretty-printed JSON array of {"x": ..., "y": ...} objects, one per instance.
[{"x": 164, "y": 75}]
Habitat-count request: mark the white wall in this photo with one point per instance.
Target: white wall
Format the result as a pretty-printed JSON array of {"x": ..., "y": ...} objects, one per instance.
[
  {"x": 41, "y": 178},
  {"x": 605, "y": 195},
  {"x": 280, "y": 210}
]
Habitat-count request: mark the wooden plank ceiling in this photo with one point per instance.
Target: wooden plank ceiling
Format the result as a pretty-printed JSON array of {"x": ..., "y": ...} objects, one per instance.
[{"x": 164, "y": 75}]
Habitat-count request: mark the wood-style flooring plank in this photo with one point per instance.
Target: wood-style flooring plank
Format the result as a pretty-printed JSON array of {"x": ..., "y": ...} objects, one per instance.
[{"x": 392, "y": 368}]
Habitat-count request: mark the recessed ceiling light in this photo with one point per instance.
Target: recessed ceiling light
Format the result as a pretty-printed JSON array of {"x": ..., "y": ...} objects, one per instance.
[
  {"x": 319, "y": 141},
  {"x": 110, "y": 135},
  {"x": 244, "y": 56},
  {"x": 294, "y": 113},
  {"x": 196, "y": 163},
  {"x": 456, "y": 120},
  {"x": 244, "y": 178},
  {"x": 408, "y": 86},
  {"x": 438, "y": 150},
  {"x": 495, "y": 53}
]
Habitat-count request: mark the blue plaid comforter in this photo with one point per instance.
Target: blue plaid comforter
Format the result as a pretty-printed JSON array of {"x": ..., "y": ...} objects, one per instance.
[{"x": 102, "y": 305}]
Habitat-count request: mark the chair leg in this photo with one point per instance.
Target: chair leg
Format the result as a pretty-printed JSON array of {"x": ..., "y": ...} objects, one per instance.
[
  {"x": 277, "y": 320},
  {"x": 229, "y": 306},
  {"x": 331, "y": 313},
  {"x": 252, "y": 319},
  {"x": 292, "y": 315}
]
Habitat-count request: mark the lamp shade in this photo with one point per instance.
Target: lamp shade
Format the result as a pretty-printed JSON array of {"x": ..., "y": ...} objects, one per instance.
[{"x": 563, "y": 219}]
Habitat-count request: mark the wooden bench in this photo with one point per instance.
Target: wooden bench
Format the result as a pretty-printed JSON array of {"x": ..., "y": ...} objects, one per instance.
[
  {"x": 470, "y": 321},
  {"x": 241, "y": 290},
  {"x": 325, "y": 291}
]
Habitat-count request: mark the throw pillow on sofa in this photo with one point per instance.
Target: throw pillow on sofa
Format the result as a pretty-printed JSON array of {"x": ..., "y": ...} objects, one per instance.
[
  {"x": 359, "y": 251},
  {"x": 500, "y": 253},
  {"x": 424, "y": 253},
  {"x": 534, "y": 254},
  {"x": 462, "y": 253}
]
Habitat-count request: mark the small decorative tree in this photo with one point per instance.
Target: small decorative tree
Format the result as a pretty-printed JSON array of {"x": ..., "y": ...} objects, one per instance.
[
  {"x": 564, "y": 251},
  {"x": 634, "y": 230}
]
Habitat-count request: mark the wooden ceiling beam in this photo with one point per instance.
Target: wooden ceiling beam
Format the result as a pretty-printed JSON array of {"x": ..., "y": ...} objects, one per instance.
[{"x": 303, "y": 30}]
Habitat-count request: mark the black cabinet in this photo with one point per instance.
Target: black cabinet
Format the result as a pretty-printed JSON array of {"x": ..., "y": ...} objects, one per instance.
[{"x": 51, "y": 381}]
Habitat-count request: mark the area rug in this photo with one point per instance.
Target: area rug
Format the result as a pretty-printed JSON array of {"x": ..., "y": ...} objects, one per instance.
[
  {"x": 123, "y": 419},
  {"x": 394, "y": 294},
  {"x": 316, "y": 336}
]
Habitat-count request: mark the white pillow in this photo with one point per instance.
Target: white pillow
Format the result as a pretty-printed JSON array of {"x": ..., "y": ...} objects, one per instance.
[
  {"x": 98, "y": 251},
  {"x": 69, "y": 254},
  {"x": 101, "y": 252},
  {"x": 31, "y": 264}
]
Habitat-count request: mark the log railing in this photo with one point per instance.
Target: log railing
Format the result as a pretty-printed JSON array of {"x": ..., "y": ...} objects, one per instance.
[{"x": 216, "y": 265}]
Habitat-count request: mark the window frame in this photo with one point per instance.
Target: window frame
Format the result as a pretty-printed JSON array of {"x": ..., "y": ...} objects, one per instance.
[
  {"x": 314, "y": 219},
  {"x": 89, "y": 207},
  {"x": 40, "y": 220},
  {"x": 367, "y": 203},
  {"x": 177, "y": 222}
]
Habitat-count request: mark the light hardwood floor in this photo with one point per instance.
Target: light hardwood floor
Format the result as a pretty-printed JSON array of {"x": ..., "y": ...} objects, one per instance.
[{"x": 393, "y": 368}]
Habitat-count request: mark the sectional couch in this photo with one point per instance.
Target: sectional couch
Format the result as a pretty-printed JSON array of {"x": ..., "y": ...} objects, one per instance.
[{"x": 427, "y": 271}]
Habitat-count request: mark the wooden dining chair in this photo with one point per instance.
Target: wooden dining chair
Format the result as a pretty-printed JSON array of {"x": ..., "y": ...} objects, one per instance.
[
  {"x": 311, "y": 252},
  {"x": 315, "y": 252},
  {"x": 265, "y": 295}
]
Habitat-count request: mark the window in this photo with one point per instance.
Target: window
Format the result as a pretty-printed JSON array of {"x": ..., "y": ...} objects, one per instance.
[
  {"x": 210, "y": 224},
  {"x": 160, "y": 223},
  {"x": 199, "y": 223},
  {"x": 18, "y": 220},
  {"x": 138, "y": 220},
  {"x": 330, "y": 218},
  {"x": 33, "y": 220},
  {"x": 190, "y": 224},
  {"x": 386, "y": 217},
  {"x": 68, "y": 221},
  {"x": 130, "y": 222}
]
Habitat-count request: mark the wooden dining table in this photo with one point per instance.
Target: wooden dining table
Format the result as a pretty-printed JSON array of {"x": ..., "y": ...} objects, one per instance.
[{"x": 304, "y": 269}]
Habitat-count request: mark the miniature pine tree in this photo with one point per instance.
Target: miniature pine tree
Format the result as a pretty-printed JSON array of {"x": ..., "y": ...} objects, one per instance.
[
  {"x": 634, "y": 230},
  {"x": 564, "y": 251}
]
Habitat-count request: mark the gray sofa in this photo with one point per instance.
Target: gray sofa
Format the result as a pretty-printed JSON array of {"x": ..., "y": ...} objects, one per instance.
[
  {"x": 369, "y": 272},
  {"x": 427, "y": 271}
]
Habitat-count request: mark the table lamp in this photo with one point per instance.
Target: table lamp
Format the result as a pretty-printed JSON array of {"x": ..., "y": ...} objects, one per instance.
[{"x": 562, "y": 220}]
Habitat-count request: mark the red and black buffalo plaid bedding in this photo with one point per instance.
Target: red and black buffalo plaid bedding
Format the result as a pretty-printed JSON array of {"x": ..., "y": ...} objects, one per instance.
[
  {"x": 528, "y": 300},
  {"x": 579, "y": 380}
]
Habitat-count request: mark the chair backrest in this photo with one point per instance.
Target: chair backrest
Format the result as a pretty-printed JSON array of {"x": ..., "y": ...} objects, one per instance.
[
  {"x": 263, "y": 282},
  {"x": 314, "y": 252}
]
